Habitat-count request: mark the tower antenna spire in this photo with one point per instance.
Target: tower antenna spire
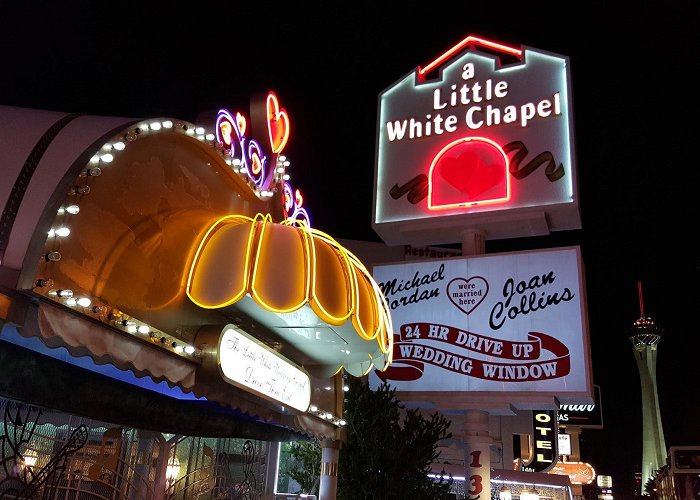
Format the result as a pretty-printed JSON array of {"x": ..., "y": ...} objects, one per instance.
[{"x": 641, "y": 298}]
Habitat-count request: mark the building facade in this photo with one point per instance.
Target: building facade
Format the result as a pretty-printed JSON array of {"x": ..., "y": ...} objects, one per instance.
[{"x": 165, "y": 304}]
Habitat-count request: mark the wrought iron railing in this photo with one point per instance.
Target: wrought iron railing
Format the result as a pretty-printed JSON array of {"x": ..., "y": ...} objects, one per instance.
[{"x": 46, "y": 455}]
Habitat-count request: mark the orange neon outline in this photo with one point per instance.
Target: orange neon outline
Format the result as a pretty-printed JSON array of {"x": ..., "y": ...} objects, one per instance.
[
  {"x": 356, "y": 318},
  {"x": 381, "y": 320},
  {"x": 203, "y": 242},
  {"x": 470, "y": 40},
  {"x": 256, "y": 163},
  {"x": 225, "y": 128},
  {"x": 276, "y": 114},
  {"x": 370, "y": 365},
  {"x": 314, "y": 301},
  {"x": 384, "y": 329},
  {"x": 240, "y": 120},
  {"x": 265, "y": 220},
  {"x": 467, "y": 203},
  {"x": 337, "y": 371},
  {"x": 386, "y": 343},
  {"x": 351, "y": 368}
]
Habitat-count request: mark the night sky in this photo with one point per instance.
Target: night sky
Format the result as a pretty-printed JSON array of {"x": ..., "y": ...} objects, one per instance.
[{"x": 635, "y": 122}]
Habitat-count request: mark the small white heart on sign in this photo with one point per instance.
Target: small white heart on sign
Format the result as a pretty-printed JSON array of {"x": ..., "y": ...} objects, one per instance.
[{"x": 467, "y": 294}]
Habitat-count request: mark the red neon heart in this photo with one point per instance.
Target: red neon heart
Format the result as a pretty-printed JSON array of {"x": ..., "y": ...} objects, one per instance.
[
  {"x": 277, "y": 124},
  {"x": 472, "y": 168},
  {"x": 468, "y": 171}
]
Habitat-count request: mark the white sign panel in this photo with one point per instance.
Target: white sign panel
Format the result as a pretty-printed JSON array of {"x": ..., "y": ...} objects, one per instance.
[
  {"x": 244, "y": 362},
  {"x": 604, "y": 481},
  {"x": 501, "y": 323},
  {"x": 564, "y": 444}
]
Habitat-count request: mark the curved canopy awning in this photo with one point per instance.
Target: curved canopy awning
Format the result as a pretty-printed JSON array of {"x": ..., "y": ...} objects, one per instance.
[
  {"x": 299, "y": 282},
  {"x": 135, "y": 235}
]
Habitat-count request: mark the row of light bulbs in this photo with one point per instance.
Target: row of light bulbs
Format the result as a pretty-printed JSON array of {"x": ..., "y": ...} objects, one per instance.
[
  {"x": 327, "y": 416},
  {"x": 106, "y": 156},
  {"x": 66, "y": 296},
  {"x": 119, "y": 320},
  {"x": 202, "y": 135}
]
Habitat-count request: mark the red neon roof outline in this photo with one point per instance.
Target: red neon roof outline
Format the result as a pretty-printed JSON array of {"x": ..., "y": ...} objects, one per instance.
[{"x": 469, "y": 41}]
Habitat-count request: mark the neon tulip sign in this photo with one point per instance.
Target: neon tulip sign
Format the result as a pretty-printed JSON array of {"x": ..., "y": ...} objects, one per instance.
[{"x": 481, "y": 139}]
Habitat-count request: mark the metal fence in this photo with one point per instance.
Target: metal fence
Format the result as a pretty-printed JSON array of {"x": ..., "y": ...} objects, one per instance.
[{"x": 55, "y": 456}]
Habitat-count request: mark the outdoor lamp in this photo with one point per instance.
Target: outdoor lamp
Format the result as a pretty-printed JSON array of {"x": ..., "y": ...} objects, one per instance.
[
  {"x": 173, "y": 469},
  {"x": 29, "y": 459},
  {"x": 529, "y": 494},
  {"x": 504, "y": 493}
]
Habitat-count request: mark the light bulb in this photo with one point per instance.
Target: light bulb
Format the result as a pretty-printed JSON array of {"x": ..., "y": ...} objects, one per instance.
[
  {"x": 80, "y": 190},
  {"x": 44, "y": 282},
  {"x": 504, "y": 493},
  {"x": 52, "y": 257},
  {"x": 529, "y": 494},
  {"x": 84, "y": 302}
]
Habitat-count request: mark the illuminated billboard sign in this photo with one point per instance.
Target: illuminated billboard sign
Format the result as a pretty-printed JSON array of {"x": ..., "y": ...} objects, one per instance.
[
  {"x": 685, "y": 459},
  {"x": 512, "y": 324},
  {"x": 564, "y": 444},
  {"x": 579, "y": 472},
  {"x": 545, "y": 450},
  {"x": 588, "y": 416},
  {"x": 470, "y": 142}
]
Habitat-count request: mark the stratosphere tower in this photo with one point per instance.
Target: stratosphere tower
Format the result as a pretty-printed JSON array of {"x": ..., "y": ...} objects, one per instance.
[{"x": 645, "y": 336}]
